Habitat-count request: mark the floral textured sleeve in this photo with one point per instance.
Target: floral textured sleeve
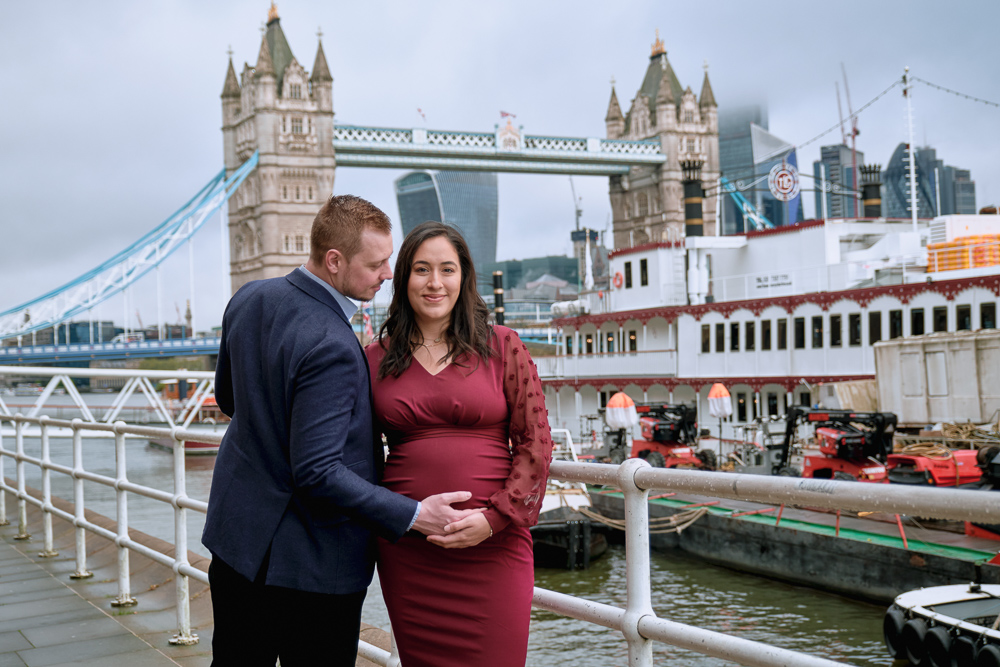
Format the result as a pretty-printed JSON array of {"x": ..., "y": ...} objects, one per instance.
[{"x": 531, "y": 440}]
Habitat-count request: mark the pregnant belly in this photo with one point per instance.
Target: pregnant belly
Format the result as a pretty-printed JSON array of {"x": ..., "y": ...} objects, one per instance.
[{"x": 423, "y": 467}]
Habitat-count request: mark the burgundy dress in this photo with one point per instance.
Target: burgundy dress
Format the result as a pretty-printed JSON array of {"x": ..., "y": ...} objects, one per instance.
[{"x": 450, "y": 432}]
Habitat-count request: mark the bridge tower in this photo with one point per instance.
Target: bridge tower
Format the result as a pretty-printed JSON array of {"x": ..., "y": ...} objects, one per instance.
[
  {"x": 648, "y": 204},
  {"x": 278, "y": 108}
]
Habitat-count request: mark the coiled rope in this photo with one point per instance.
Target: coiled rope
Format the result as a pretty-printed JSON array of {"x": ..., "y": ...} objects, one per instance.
[
  {"x": 659, "y": 525},
  {"x": 934, "y": 451}
]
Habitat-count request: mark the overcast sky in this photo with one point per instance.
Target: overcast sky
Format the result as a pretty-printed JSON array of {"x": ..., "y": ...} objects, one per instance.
[{"x": 111, "y": 110}]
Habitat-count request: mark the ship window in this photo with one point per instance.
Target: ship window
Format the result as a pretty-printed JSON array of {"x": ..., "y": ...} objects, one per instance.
[
  {"x": 628, "y": 275},
  {"x": 632, "y": 341},
  {"x": 772, "y": 404},
  {"x": 854, "y": 329},
  {"x": 609, "y": 344},
  {"x": 734, "y": 336},
  {"x": 782, "y": 334},
  {"x": 963, "y": 317},
  {"x": 895, "y": 324},
  {"x": 916, "y": 321},
  {"x": 874, "y": 327},
  {"x": 720, "y": 337},
  {"x": 569, "y": 345},
  {"x": 643, "y": 272},
  {"x": 939, "y": 316},
  {"x": 800, "y": 333},
  {"x": 741, "y": 407},
  {"x": 987, "y": 316},
  {"x": 750, "y": 336},
  {"x": 765, "y": 334},
  {"x": 603, "y": 399},
  {"x": 706, "y": 338},
  {"x": 817, "y": 331},
  {"x": 590, "y": 344},
  {"x": 835, "y": 331}
]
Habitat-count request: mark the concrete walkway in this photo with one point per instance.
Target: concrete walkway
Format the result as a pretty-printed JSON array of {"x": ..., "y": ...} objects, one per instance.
[
  {"x": 48, "y": 619},
  {"x": 44, "y": 621}
]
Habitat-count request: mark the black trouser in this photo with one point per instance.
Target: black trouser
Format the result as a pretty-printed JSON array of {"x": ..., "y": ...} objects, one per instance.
[{"x": 257, "y": 624}]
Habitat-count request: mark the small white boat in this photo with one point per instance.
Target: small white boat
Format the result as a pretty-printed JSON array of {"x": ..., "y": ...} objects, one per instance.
[{"x": 943, "y": 626}]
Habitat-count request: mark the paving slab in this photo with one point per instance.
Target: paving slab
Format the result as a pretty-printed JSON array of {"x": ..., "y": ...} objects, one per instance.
[
  {"x": 75, "y": 652},
  {"x": 13, "y": 641}
]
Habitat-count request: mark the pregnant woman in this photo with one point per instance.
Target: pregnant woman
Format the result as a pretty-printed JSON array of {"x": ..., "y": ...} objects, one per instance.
[{"x": 461, "y": 406}]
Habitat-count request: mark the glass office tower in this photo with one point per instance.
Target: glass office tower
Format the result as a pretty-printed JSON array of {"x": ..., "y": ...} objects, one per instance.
[{"x": 466, "y": 200}]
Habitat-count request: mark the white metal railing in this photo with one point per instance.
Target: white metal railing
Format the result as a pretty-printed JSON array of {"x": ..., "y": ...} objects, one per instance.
[
  {"x": 179, "y": 500},
  {"x": 658, "y": 363},
  {"x": 637, "y": 621},
  {"x": 134, "y": 383}
]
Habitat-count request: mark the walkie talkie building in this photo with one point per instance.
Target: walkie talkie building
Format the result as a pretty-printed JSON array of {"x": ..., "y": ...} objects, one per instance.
[{"x": 466, "y": 200}]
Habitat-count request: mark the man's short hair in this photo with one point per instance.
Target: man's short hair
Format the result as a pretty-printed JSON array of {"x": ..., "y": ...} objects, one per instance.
[{"x": 340, "y": 223}]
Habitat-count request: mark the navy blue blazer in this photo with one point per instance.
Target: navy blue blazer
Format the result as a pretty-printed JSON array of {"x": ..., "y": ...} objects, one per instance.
[{"x": 298, "y": 467}]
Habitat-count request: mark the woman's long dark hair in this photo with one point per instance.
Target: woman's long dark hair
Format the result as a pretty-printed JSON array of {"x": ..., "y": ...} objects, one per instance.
[{"x": 469, "y": 333}]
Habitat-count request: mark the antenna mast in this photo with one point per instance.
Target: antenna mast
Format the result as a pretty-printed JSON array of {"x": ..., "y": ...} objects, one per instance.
[{"x": 907, "y": 87}]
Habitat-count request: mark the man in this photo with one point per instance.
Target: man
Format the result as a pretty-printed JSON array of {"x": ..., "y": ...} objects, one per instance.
[{"x": 294, "y": 499}]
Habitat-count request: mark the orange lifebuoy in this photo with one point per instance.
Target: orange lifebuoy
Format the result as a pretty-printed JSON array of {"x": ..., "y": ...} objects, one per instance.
[{"x": 618, "y": 279}]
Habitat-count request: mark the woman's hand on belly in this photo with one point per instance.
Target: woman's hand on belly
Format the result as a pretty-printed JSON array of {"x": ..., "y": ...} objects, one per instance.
[{"x": 467, "y": 532}]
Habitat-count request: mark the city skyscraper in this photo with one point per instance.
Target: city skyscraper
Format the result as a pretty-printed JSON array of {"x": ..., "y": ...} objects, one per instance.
[
  {"x": 466, "y": 200},
  {"x": 836, "y": 166},
  {"x": 736, "y": 155},
  {"x": 941, "y": 189}
]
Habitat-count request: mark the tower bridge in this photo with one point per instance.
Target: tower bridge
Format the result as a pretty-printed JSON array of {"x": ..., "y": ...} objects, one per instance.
[
  {"x": 505, "y": 150},
  {"x": 282, "y": 148}
]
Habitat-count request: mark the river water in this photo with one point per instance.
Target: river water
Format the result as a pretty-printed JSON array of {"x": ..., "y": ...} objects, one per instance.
[{"x": 683, "y": 590}]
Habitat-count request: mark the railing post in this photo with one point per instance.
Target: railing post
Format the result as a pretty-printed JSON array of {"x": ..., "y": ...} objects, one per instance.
[
  {"x": 637, "y": 585},
  {"x": 182, "y": 584},
  {"x": 79, "y": 511},
  {"x": 22, "y": 504},
  {"x": 393, "y": 651},
  {"x": 124, "y": 598},
  {"x": 48, "y": 550},
  {"x": 3, "y": 494}
]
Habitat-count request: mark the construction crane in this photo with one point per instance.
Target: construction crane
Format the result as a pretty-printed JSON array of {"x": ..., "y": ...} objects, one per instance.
[
  {"x": 576, "y": 203},
  {"x": 854, "y": 134},
  {"x": 138, "y": 317}
]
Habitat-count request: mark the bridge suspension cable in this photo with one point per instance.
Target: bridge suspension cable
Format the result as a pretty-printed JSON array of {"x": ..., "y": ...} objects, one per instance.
[{"x": 116, "y": 274}]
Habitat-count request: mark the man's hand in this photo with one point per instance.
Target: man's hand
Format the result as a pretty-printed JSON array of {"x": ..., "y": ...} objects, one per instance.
[
  {"x": 436, "y": 512},
  {"x": 468, "y": 532}
]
